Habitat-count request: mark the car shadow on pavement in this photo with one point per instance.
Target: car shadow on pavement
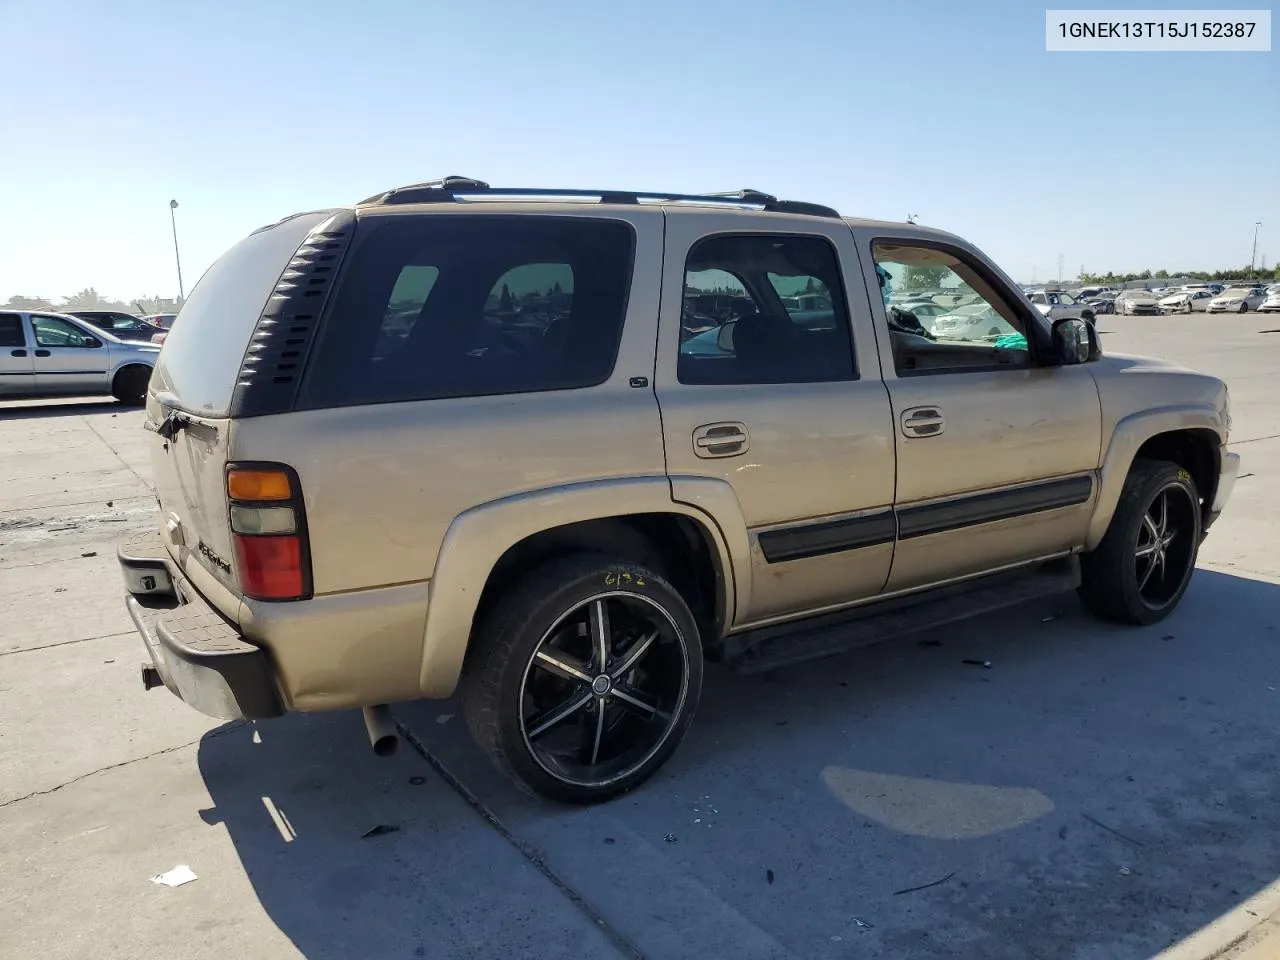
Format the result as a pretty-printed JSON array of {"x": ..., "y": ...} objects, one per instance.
[
  {"x": 352, "y": 855},
  {"x": 19, "y": 410},
  {"x": 1094, "y": 791}
]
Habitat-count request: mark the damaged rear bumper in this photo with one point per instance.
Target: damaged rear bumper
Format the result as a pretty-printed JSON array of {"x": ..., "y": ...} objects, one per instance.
[{"x": 194, "y": 651}]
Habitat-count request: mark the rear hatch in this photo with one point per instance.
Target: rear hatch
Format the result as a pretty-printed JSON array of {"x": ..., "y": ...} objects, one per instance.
[{"x": 189, "y": 407}]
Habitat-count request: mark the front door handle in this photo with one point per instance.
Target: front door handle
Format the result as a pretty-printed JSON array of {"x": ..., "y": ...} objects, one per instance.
[
  {"x": 17, "y": 353},
  {"x": 721, "y": 439},
  {"x": 43, "y": 353},
  {"x": 923, "y": 422}
]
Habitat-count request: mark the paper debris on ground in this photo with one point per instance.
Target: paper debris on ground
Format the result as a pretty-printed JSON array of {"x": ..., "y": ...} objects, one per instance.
[{"x": 176, "y": 877}]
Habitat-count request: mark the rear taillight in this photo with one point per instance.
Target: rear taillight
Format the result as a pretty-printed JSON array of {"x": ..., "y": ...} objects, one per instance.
[{"x": 268, "y": 528}]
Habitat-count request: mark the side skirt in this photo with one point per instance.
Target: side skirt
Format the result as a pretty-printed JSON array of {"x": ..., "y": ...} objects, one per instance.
[{"x": 812, "y": 638}]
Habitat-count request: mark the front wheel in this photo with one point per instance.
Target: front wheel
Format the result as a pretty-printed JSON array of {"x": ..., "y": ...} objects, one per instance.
[
  {"x": 1186, "y": 307},
  {"x": 1244, "y": 306},
  {"x": 130, "y": 385},
  {"x": 584, "y": 678},
  {"x": 1141, "y": 569}
]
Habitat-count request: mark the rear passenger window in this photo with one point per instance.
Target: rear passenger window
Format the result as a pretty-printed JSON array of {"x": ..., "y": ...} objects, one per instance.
[
  {"x": 464, "y": 306},
  {"x": 11, "y": 334},
  {"x": 787, "y": 323}
]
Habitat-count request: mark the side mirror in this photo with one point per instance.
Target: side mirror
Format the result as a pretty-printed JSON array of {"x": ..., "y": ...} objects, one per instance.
[
  {"x": 724, "y": 339},
  {"x": 1075, "y": 341}
]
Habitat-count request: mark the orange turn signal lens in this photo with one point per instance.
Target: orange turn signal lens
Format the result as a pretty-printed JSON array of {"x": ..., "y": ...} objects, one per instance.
[{"x": 258, "y": 485}]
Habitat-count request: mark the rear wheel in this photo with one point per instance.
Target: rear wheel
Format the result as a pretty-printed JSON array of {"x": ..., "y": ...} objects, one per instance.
[
  {"x": 584, "y": 678},
  {"x": 130, "y": 385},
  {"x": 1141, "y": 569}
]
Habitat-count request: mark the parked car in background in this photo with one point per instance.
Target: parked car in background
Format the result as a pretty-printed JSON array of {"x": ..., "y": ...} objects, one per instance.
[
  {"x": 123, "y": 325},
  {"x": 1186, "y": 301},
  {"x": 1101, "y": 302},
  {"x": 58, "y": 355},
  {"x": 1136, "y": 303},
  {"x": 1056, "y": 304},
  {"x": 331, "y": 533},
  {"x": 1272, "y": 303},
  {"x": 162, "y": 320},
  {"x": 1237, "y": 300}
]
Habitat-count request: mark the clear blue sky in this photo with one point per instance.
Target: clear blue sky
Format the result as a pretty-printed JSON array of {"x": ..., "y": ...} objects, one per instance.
[{"x": 247, "y": 110}]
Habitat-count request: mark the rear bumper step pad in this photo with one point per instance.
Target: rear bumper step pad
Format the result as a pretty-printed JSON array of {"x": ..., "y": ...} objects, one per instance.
[{"x": 195, "y": 652}]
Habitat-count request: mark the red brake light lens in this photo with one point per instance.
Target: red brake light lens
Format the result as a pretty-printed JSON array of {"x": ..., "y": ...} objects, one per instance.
[
  {"x": 268, "y": 529},
  {"x": 270, "y": 567}
]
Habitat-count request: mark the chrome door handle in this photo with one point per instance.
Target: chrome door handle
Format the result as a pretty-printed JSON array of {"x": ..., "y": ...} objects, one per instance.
[
  {"x": 720, "y": 439},
  {"x": 923, "y": 422}
]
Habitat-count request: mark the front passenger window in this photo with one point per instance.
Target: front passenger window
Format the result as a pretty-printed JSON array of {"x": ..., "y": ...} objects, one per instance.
[
  {"x": 764, "y": 309},
  {"x": 55, "y": 332},
  {"x": 978, "y": 329}
]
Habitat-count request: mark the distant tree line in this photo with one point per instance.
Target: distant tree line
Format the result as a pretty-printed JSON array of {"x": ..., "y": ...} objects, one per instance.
[
  {"x": 90, "y": 299},
  {"x": 1243, "y": 273}
]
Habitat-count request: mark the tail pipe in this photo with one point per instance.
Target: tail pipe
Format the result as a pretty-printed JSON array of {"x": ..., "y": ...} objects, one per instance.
[{"x": 383, "y": 736}]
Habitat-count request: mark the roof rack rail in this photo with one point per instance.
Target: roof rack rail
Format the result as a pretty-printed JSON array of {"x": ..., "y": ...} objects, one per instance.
[{"x": 456, "y": 188}]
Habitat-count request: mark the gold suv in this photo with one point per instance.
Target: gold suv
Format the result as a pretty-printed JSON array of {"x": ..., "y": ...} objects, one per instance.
[{"x": 555, "y": 449}]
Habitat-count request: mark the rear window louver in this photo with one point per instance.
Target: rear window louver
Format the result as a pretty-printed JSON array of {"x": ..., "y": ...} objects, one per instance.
[{"x": 282, "y": 339}]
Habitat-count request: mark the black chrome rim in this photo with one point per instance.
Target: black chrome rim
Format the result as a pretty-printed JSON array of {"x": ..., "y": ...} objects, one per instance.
[
  {"x": 1166, "y": 546},
  {"x": 603, "y": 689}
]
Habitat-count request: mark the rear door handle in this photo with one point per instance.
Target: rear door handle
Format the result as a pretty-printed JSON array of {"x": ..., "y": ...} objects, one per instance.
[
  {"x": 43, "y": 353},
  {"x": 721, "y": 439},
  {"x": 17, "y": 353},
  {"x": 923, "y": 422}
]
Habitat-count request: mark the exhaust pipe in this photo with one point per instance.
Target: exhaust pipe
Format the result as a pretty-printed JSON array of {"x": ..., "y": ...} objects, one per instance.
[{"x": 383, "y": 736}]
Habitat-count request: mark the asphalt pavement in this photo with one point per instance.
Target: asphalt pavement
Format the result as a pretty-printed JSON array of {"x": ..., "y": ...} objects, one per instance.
[{"x": 1097, "y": 792}]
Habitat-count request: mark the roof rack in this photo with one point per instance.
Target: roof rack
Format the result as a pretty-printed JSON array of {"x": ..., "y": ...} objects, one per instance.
[{"x": 456, "y": 188}]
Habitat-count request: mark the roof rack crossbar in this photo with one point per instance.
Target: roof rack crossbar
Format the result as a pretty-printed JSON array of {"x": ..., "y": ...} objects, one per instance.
[{"x": 449, "y": 189}]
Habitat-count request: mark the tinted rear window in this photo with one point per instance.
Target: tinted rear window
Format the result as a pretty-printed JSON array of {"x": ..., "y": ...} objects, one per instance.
[
  {"x": 464, "y": 306},
  {"x": 202, "y": 355},
  {"x": 11, "y": 334}
]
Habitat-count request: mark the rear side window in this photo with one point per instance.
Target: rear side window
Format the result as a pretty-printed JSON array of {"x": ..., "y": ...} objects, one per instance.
[
  {"x": 201, "y": 358},
  {"x": 788, "y": 324},
  {"x": 467, "y": 306},
  {"x": 11, "y": 334}
]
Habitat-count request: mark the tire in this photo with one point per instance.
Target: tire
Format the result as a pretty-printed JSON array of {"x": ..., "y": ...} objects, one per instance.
[
  {"x": 130, "y": 385},
  {"x": 1244, "y": 306},
  {"x": 537, "y": 700},
  {"x": 1121, "y": 584},
  {"x": 1186, "y": 307}
]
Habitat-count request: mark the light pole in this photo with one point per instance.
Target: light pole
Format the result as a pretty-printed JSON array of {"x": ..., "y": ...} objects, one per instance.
[
  {"x": 173, "y": 221},
  {"x": 1254, "y": 256}
]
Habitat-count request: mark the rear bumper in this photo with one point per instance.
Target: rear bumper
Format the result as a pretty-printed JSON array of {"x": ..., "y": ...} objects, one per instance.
[
  {"x": 197, "y": 654},
  {"x": 1226, "y": 483}
]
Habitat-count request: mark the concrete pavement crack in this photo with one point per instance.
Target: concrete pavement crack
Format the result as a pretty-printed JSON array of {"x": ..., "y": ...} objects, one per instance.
[
  {"x": 65, "y": 643},
  {"x": 115, "y": 452},
  {"x": 1240, "y": 443},
  {"x": 621, "y": 942},
  {"x": 238, "y": 725}
]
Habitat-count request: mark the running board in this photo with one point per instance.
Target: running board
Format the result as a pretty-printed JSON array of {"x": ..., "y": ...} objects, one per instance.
[{"x": 779, "y": 645}]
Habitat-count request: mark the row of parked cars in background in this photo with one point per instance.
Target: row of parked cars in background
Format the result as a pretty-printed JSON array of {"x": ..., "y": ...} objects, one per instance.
[{"x": 1189, "y": 298}]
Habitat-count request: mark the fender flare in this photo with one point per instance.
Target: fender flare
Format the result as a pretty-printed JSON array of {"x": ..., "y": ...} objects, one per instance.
[
  {"x": 477, "y": 539},
  {"x": 1129, "y": 435}
]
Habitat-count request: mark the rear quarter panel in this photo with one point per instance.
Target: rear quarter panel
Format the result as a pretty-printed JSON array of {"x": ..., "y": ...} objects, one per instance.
[{"x": 383, "y": 483}]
